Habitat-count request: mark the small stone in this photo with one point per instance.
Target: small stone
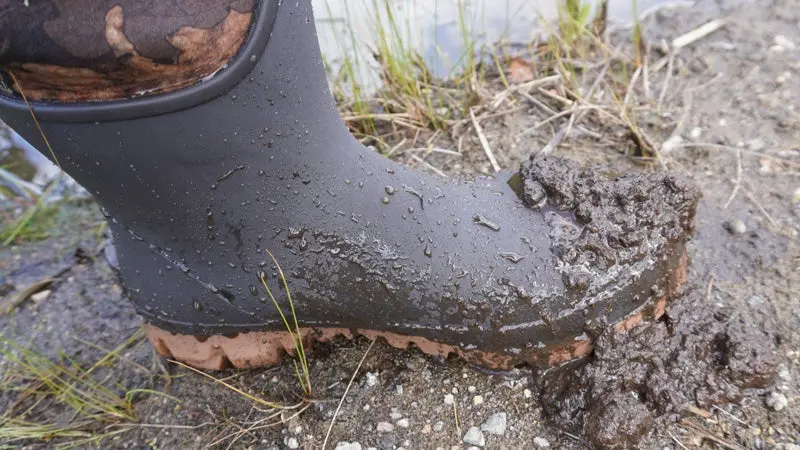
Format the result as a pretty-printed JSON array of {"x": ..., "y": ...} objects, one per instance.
[
  {"x": 735, "y": 226},
  {"x": 449, "y": 399},
  {"x": 541, "y": 442},
  {"x": 399, "y": 389},
  {"x": 348, "y": 446},
  {"x": 495, "y": 424},
  {"x": 426, "y": 429},
  {"x": 784, "y": 42},
  {"x": 41, "y": 295},
  {"x": 671, "y": 143},
  {"x": 292, "y": 442},
  {"x": 784, "y": 374},
  {"x": 471, "y": 389},
  {"x": 787, "y": 447},
  {"x": 527, "y": 393},
  {"x": 474, "y": 436},
  {"x": 696, "y": 133},
  {"x": 395, "y": 415},
  {"x": 756, "y": 144},
  {"x": 372, "y": 379},
  {"x": 402, "y": 423},
  {"x": 777, "y": 401},
  {"x": 477, "y": 400},
  {"x": 384, "y": 427},
  {"x": 438, "y": 426}
]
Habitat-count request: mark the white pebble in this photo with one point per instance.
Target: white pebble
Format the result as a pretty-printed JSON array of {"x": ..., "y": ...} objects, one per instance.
[
  {"x": 449, "y": 399},
  {"x": 777, "y": 401},
  {"x": 477, "y": 400},
  {"x": 474, "y": 436},
  {"x": 540, "y": 442},
  {"x": 372, "y": 379},
  {"x": 292, "y": 443},
  {"x": 384, "y": 427},
  {"x": 348, "y": 446},
  {"x": 402, "y": 423}
]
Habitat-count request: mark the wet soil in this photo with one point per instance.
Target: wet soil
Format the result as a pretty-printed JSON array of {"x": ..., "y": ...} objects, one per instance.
[{"x": 704, "y": 376}]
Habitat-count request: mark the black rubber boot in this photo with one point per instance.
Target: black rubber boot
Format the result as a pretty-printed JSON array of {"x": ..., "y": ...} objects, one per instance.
[{"x": 198, "y": 183}]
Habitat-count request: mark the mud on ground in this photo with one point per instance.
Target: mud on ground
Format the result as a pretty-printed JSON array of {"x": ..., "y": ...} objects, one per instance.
[{"x": 720, "y": 370}]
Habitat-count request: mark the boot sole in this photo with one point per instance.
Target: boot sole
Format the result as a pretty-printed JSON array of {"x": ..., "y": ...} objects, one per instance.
[{"x": 266, "y": 348}]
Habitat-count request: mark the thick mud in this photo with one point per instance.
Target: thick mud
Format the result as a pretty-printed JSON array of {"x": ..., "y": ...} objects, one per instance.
[
  {"x": 622, "y": 218},
  {"x": 695, "y": 355}
]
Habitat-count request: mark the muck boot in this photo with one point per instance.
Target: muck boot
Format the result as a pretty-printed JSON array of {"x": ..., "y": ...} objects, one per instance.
[{"x": 211, "y": 141}]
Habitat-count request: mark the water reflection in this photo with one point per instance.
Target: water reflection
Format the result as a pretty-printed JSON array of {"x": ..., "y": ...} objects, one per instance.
[{"x": 435, "y": 27}]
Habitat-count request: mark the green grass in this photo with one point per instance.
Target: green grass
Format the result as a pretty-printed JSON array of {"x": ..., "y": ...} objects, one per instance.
[
  {"x": 38, "y": 222},
  {"x": 61, "y": 401}
]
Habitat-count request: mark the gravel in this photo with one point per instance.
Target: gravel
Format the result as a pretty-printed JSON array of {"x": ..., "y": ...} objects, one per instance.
[
  {"x": 475, "y": 437},
  {"x": 735, "y": 226},
  {"x": 403, "y": 423},
  {"x": 541, "y": 442},
  {"x": 292, "y": 443},
  {"x": 384, "y": 427},
  {"x": 449, "y": 399},
  {"x": 438, "y": 426},
  {"x": 777, "y": 401},
  {"x": 348, "y": 446},
  {"x": 495, "y": 424},
  {"x": 477, "y": 400}
]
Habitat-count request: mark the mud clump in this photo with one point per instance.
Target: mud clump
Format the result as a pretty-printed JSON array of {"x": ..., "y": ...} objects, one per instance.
[
  {"x": 697, "y": 354},
  {"x": 622, "y": 216}
]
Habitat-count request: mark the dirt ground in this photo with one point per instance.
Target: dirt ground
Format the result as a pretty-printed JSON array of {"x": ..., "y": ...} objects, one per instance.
[{"x": 719, "y": 371}]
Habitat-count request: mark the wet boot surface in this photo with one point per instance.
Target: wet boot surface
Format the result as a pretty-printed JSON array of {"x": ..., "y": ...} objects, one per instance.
[{"x": 720, "y": 365}]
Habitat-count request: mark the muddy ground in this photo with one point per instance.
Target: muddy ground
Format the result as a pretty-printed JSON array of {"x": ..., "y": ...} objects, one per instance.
[{"x": 720, "y": 370}]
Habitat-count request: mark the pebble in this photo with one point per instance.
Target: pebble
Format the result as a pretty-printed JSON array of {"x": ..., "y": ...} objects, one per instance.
[
  {"x": 403, "y": 423},
  {"x": 474, "y": 436},
  {"x": 41, "y": 295},
  {"x": 292, "y": 443},
  {"x": 348, "y": 446},
  {"x": 471, "y": 389},
  {"x": 527, "y": 393},
  {"x": 449, "y": 399},
  {"x": 756, "y": 144},
  {"x": 384, "y": 427},
  {"x": 777, "y": 401},
  {"x": 784, "y": 374},
  {"x": 735, "y": 226},
  {"x": 540, "y": 442},
  {"x": 696, "y": 133},
  {"x": 477, "y": 400},
  {"x": 372, "y": 379},
  {"x": 438, "y": 426},
  {"x": 426, "y": 429},
  {"x": 395, "y": 415},
  {"x": 495, "y": 424}
]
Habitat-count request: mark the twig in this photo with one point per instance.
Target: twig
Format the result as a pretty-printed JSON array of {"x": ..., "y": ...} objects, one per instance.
[
  {"x": 738, "y": 181},
  {"x": 730, "y": 415},
  {"x": 697, "y": 34},
  {"x": 688, "y": 38},
  {"x": 667, "y": 79},
  {"x": 484, "y": 143},
  {"x": 760, "y": 208},
  {"x": 631, "y": 86},
  {"x": 428, "y": 165},
  {"x": 680, "y": 444},
  {"x": 346, "y": 391},
  {"x": 576, "y": 115},
  {"x": 455, "y": 418}
]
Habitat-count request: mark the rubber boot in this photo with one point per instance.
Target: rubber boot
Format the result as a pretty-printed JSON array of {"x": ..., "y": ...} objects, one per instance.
[{"x": 199, "y": 182}]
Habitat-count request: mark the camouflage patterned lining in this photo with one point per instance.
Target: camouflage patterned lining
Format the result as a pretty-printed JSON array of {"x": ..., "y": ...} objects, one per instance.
[{"x": 100, "y": 50}]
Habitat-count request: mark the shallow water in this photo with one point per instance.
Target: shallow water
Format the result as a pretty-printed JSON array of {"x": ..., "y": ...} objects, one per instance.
[{"x": 435, "y": 27}]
